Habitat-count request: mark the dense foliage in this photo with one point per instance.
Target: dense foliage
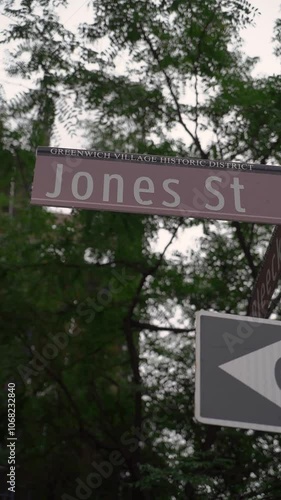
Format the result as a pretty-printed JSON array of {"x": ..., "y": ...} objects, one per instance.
[{"x": 97, "y": 327}]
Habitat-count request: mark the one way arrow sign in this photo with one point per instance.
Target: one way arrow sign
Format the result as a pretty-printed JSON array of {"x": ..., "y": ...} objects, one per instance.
[{"x": 238, "y": 371}]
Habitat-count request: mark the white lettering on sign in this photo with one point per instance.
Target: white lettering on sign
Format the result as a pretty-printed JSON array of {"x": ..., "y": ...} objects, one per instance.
[
  {"x": 82, "y": 187},
  {"x": 170, "y": 191},
  {"x": 141, "y": 185},
  {"x": 211, "y": 189},
  {"x": 237, "y": 187},
  {"x": 58, "y": 182},
  {"x": 138, "y": 189},
  {"x": 192, "y": 162},
  {"x": 120, "y": 187},
  {"x": 89, "y": 188}
]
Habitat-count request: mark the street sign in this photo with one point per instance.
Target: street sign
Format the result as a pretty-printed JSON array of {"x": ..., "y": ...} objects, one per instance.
[
  {"x": 238, "y": 371},
  {"x": 268, "y": 277},
  {"x": 162, "y": 185}
]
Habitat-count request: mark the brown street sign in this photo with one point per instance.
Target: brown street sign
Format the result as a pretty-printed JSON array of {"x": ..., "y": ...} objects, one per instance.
[
  {"x": 162, "y": 185},
  {"x": 268, "y": 277}
]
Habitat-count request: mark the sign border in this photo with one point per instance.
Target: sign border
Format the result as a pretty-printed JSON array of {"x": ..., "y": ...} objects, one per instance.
[{"x": 215, "y": 421}]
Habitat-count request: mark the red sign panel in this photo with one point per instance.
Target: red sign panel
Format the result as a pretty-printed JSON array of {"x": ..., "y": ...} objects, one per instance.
[
  {"x": 160, "y": 185},
  {"x": 268, "y": 277}
]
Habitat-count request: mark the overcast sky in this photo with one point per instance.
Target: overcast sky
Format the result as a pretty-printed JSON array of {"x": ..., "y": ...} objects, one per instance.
[{"x": 257, "y": 39}]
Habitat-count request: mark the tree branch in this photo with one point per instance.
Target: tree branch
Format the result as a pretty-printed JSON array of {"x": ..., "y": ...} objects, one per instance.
[
  {"x": 149, "y": 326},
  {"x": 173, "y": 94},
  {"x": 132, "y": 349}
]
